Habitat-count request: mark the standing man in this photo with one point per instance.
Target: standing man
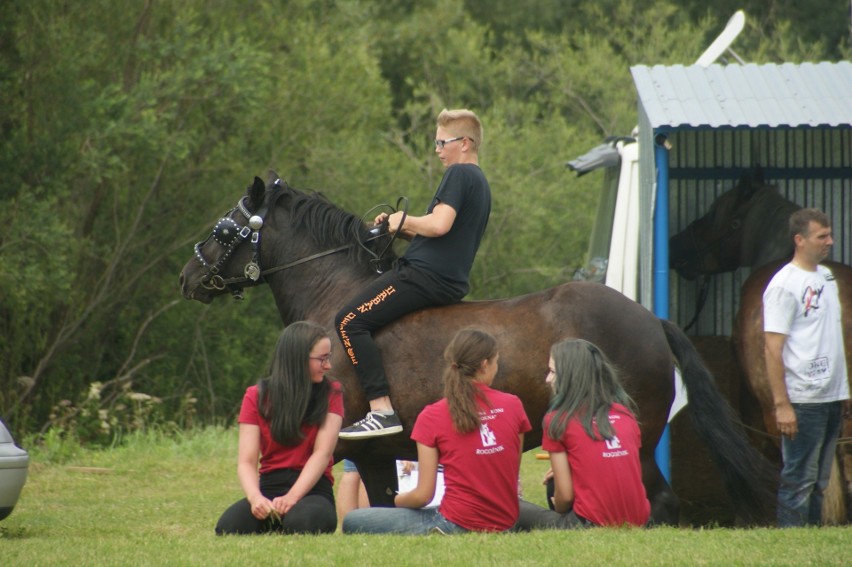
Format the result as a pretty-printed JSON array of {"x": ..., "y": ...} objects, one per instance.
[
  {"x": 806, "y": 368},
  {"x": 435, "y": 269}
]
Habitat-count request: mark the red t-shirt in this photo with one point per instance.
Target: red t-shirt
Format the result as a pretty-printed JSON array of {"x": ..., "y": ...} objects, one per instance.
[
  {"x": 481, "y": 467},
  {"x": 274, "y": 456},
  {"x": 607, "y": 475}
]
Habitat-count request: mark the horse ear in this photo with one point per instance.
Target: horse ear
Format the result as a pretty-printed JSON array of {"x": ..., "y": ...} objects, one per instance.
[
  {"x": 746, "y": 188},
  {"x": 256, "y": 191}
]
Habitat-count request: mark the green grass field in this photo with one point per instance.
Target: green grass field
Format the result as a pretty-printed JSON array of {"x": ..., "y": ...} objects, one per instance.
[{"x": 155, "y": 502}]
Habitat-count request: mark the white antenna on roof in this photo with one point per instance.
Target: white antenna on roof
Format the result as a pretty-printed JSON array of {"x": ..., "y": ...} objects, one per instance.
[{"x": 723, "y": 42}]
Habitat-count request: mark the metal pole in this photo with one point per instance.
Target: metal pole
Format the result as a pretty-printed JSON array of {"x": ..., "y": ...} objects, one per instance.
[{"x": 661, "y": 271}]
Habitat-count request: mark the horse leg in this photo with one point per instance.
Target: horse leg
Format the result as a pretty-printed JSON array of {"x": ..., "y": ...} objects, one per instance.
[
  {"x": 837, "y": 502},
  {"x": 665, "y": 506},
  {"x": 833, "y": 505},
  {"x": 380, "y": 479},
  {"x": 844, "y": 459}
]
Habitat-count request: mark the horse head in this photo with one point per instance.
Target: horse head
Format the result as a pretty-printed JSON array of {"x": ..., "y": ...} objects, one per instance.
[
  {"x": 213, "y": 270},
  {"x": 275, "y": 230},
  {"x": 745, "y": 226}
]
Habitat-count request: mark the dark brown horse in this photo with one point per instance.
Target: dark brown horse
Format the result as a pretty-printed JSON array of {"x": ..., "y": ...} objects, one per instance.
[
  {"x": 307, "y": 251},
  {"x": 745, "y": 226},
  {"x": 748, "y": 226}
]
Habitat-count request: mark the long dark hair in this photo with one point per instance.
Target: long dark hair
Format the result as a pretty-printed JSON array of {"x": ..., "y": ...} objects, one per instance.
[
  {"x": 464, "y": 356},
  {"x": 586, "y": 385},
  {"x": 287, "y": 398}
]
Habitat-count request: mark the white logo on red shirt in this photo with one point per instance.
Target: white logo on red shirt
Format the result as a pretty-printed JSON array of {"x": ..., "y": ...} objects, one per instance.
[
  {"x": 614, "y": 449},
  {"x": 487, "y": 436}
]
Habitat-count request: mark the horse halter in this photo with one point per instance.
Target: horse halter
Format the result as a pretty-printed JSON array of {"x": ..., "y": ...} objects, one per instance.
[{"x": 229, "y": 234}]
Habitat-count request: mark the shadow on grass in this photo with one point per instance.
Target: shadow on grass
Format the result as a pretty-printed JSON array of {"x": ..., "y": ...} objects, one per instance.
[{"x": 13, "y": 533}]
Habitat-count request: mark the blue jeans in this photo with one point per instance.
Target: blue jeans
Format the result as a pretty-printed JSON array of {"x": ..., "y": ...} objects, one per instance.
[
  {"x": 534, "y": 517},
  {"x": 807, "y": 463},
  {"x": 410, "y": 521}
]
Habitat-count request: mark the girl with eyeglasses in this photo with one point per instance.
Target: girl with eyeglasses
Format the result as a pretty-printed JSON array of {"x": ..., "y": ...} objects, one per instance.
[{"x": 289, "y": 423}]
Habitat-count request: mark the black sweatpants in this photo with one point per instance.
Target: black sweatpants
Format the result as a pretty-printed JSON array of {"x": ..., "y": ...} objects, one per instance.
[
  {"x": 395, "y": 293},
  {"x": 313, "y": 514}
]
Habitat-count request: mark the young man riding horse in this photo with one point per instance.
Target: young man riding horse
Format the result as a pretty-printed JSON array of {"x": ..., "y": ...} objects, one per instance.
[{"x": 435, "y": 269}]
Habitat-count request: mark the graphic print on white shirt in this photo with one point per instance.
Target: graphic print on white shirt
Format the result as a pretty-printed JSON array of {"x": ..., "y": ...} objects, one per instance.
[{"x": 810, "y": 299}]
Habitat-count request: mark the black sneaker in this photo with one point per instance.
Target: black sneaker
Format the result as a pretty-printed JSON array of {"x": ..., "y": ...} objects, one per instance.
[{"x": 374, "y": 425}]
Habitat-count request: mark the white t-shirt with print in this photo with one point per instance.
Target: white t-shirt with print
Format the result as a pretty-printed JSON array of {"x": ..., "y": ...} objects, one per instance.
[{"x": 805, "y": 306}]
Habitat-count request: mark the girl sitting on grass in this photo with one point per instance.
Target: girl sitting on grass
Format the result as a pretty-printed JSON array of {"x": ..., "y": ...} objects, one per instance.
[
  {"x": 593, "y": 439},
  {"x": 289, "y": 423},
  {"x": 477, "y": 434}
]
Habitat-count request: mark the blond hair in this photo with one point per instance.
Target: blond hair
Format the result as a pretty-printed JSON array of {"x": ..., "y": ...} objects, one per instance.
[{"x": 462, "y": 122}]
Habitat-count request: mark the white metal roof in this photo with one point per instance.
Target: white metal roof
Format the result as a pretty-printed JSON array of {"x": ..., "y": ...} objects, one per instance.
[{"x": 746, "y": 96}]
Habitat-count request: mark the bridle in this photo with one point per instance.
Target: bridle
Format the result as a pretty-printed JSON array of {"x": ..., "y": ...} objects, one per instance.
[{"x": 229, "y": 234}]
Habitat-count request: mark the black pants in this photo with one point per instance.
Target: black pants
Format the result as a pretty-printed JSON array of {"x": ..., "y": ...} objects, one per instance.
[
  {"x": 392, "y": 295},
  {"x": 313, "y": 514}
]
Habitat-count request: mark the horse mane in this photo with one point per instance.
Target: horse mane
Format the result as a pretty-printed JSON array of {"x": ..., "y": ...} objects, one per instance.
[{"x": 330, "y": 227}]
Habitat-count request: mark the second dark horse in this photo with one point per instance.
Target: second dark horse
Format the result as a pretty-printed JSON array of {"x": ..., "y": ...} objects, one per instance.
[{"x": 306, "y": 252}]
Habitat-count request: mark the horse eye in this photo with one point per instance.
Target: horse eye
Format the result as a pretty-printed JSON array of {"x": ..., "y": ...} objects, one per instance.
[{"x": 736, "y": 224}]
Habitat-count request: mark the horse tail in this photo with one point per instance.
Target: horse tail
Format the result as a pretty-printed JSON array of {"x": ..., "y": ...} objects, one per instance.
[{"x": 748, "y": 477}]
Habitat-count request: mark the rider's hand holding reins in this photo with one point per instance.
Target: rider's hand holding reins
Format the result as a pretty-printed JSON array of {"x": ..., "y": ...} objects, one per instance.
[{"x": 394, "y": 223}]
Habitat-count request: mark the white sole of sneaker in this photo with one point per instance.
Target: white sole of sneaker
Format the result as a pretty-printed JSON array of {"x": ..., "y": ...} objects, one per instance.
[{"x": 367, "y": 434}]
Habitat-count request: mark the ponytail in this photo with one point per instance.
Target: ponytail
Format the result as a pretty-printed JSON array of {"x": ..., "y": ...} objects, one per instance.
[{"x": 464, "y": 356}]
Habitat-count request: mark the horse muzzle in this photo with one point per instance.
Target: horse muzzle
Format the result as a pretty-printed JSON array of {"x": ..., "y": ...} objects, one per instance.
[
  {"x": 207, "y": 289},
  {"x": 196, "y": 292},
  {"x": 685, "y": 269}
]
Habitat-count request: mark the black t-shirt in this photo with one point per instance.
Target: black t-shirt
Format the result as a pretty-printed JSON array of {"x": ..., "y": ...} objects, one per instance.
[{"x": 450, "y": 256}]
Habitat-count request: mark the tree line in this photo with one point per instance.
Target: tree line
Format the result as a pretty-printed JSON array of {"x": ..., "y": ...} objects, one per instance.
[{"x": 130, "y": 127}]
